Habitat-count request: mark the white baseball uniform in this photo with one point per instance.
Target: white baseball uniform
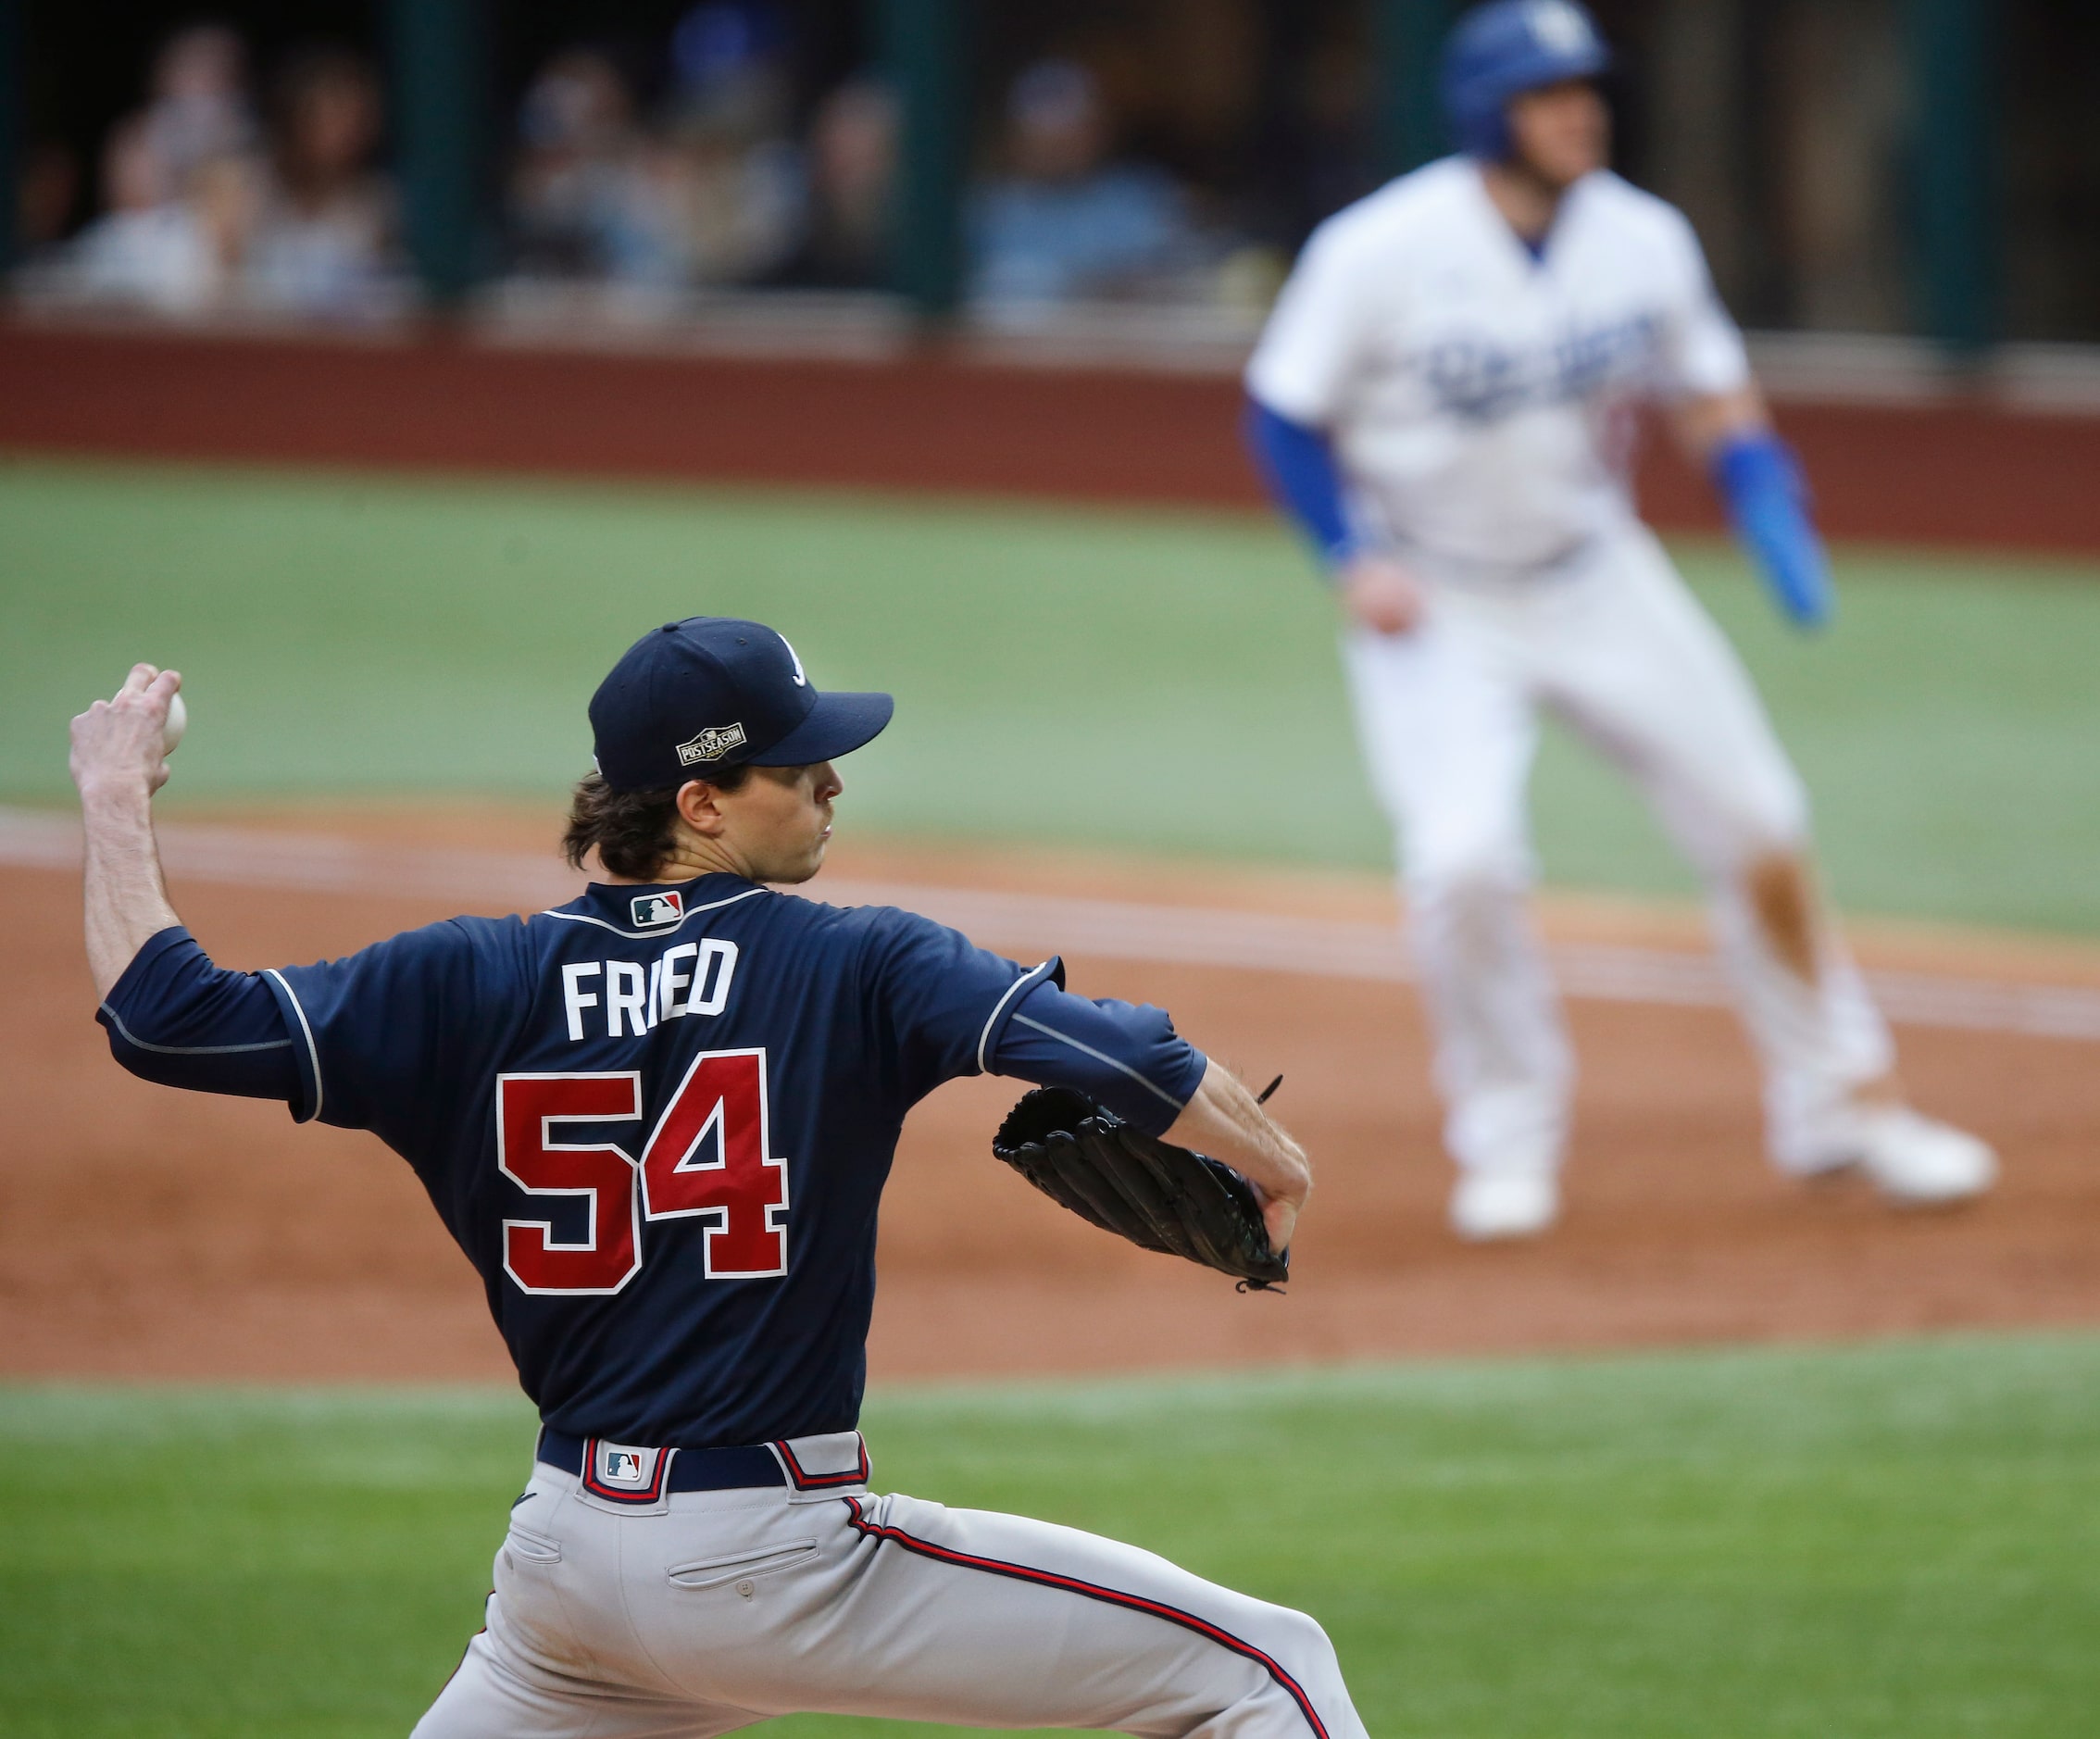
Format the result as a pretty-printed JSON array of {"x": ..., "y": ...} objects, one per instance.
[
  {"x": 702, "y": 1611},
  {"x": 1481, "y": 398}
]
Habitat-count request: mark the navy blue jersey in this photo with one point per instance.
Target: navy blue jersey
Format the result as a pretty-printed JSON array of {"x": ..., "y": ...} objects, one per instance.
[{"x": 659, "y": 1120}]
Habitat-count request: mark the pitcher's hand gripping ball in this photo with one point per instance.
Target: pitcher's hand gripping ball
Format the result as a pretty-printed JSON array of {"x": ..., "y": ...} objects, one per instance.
[
  {"x": 1160, "y": 1196},
  {"x": 178, "y": 723}
]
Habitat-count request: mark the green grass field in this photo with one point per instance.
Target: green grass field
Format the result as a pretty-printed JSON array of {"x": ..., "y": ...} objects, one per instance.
[
  {"x": 1896, "y": 1540},
  {"x": 1152, "y": 680}
]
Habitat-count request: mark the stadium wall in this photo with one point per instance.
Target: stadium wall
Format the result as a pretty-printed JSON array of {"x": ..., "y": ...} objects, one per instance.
[{"x": 1958, "y": 470}]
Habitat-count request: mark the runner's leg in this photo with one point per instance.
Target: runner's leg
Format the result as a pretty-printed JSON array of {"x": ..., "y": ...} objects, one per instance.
[
  {"x": 1646, "y": 675},
  {"x": 1448, "y": 735}
]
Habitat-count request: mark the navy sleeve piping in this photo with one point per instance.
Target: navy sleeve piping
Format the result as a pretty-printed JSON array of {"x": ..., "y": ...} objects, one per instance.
[
  {"x": 133, "y": 1040},
  {"x": 310, "y": 1063},
  {"x": 1003, "y": 1010},
  {"x": 1102, "y": 1057}
]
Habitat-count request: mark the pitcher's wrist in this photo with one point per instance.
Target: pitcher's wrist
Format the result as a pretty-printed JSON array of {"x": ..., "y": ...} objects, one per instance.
[{"x": 116, "y": 796}]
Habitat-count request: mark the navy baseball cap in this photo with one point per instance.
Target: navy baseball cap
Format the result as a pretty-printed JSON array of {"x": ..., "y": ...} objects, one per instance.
[{"x": 713, "y": 691}]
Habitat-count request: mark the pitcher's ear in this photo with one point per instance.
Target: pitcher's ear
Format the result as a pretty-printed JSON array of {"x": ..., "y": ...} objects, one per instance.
[{"x": 698, "y": 808}]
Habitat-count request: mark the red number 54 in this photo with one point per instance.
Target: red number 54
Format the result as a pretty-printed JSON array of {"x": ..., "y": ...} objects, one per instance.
[{"x": 706, "y": 1158}]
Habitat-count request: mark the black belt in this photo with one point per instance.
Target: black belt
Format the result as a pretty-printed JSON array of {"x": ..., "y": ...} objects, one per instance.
[{"x": 690, "y": 1471}]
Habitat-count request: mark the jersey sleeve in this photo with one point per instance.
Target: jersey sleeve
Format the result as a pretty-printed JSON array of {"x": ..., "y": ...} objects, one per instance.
[
  {"x": 1298, "y": 465},
  {"x": 1702, "y": 349},
  {"x": 945, "y": 1002},
  {"x": 177, "y": 1020},
  {"x": 1313, "y": 343},
  {"x": 1127, "y": 1056},
  {"x": 382, "y": 1036}
]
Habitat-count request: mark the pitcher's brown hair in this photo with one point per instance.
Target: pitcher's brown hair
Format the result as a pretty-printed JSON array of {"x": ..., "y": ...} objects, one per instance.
[{"x": 632, "y": 832}]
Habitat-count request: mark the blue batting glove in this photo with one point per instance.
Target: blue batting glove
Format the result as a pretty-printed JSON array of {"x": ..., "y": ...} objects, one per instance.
[{"x": 1767, "y": 503}]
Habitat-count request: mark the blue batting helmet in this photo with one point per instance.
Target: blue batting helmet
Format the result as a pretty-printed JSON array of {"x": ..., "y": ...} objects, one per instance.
[{"x": 1498, "y": 51}]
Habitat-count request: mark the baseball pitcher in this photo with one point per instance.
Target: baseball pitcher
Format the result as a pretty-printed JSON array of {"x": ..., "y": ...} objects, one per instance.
[
  {"x": 1442, "y": 398},
  {"x": 659, "y": 1120}
]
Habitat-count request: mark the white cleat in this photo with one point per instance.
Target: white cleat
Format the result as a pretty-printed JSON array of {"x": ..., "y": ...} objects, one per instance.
[
  {"x": 1922, "y": 1162},
  {"x": 1492, "y": 1207},
  {"x": 1915, "y": 1161}
]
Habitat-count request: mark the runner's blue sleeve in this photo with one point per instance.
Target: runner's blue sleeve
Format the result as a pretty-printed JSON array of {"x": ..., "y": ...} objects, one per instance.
[
  {"x": 1297, "y": 463},
  {"x": 1760, "y": 479},
  {"x": 1126, "y": 1055},
  {"x": 176, "y": 1019}
]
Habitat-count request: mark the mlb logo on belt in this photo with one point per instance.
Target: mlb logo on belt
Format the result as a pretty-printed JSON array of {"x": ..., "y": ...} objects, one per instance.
[
  {"x": 657, "y": 912},
  {"x": 625, "y": 1473}
]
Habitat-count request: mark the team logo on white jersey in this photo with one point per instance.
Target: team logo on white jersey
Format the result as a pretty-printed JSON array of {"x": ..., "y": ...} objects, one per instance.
[
  {"x": 711, "y": 745},
  {"x": 1474, "y": 376},
  {"x": 1558, "y": 27},
  {"x": 657, "y": 912}
]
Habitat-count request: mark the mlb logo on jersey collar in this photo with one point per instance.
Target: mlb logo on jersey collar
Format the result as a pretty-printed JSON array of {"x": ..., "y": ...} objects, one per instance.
[
  {"x": 657, "y": 912},
  {"x": 623, "y": 1473}
]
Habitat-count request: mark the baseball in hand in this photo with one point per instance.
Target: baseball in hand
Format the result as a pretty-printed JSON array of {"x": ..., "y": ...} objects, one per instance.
[{"x": 178, "y": 723}]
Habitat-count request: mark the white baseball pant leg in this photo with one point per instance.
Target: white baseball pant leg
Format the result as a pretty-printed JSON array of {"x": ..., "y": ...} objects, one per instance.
[
  {"x": 1657, "y": 687},
  {"x": 1449, "y": 735},
  {"x": 729, "y": 1607},
  {"x": 1625, "y": 655}
]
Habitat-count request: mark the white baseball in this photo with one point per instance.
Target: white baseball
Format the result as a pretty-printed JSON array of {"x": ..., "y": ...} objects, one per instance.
[{"x": 178, "y": 723}]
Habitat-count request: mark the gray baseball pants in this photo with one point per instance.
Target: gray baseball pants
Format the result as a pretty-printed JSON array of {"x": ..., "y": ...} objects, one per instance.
[{"x": 705, "y": 1611}]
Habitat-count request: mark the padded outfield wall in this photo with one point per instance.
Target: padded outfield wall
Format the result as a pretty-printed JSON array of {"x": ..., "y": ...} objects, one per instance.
[{"x": 1944, "y": 466}]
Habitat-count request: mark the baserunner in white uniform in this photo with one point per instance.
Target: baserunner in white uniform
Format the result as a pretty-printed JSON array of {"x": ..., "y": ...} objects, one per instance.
[{"x": 1442, "y": 399}]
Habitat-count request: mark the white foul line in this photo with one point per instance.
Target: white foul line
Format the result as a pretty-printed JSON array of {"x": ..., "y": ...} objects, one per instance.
[{"x": 1117, "y": 930}]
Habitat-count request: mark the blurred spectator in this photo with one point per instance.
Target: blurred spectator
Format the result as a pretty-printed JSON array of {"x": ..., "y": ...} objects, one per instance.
[
  {"x": 591, "y": 199},
  {"x": 197, "y": 109},
  {"x": 714, "y": 197},
  {"x": 194, "y": 221},
  {"x": 738, "y": 173},
  {"x": 851, "y": 160},
  {"x": 729, "y": 68},
  {"x": 151, "y": 247},
  {"x": 50, "y": 184},
  {"x": 179, "y": 186},
  {"x": 1065, "y": 222},
  {"x": 323, "y": 243},
  {"x": 1335, "y": 149}
]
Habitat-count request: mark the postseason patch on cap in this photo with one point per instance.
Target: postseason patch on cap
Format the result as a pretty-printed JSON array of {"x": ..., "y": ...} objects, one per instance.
[
  {"x": 657, "y": 912},
  {"x": 711, "y": 745}
]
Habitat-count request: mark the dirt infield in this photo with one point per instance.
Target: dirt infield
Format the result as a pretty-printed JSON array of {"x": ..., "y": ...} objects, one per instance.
[{"x": 146, "y": 1233}]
